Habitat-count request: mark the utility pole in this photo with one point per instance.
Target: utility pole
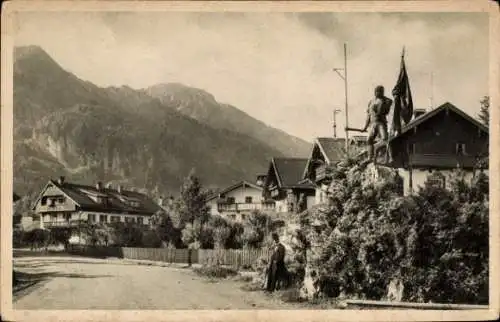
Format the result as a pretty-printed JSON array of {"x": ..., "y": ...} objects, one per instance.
[
  {"x": 432, "y": 92},
  {"x": 344, "y": 77},
  {"x": 335, "y": 111}
]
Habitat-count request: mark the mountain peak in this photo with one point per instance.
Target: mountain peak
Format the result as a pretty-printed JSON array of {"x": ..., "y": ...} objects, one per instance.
[{"x": 31, "y": 51}]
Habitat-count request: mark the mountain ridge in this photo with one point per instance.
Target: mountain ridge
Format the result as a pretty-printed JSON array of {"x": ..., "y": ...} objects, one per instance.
[{"x": 64, "y": 125}]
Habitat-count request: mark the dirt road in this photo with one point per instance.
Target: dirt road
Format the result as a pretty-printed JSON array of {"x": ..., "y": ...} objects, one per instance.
[{"x": 82, "y": 283}]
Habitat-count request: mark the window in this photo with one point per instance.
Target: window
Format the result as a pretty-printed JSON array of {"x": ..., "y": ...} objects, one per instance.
[
  {"x": 103, "y": 218},
  {"x": 60, "y": 200},
  {"x": 436, "y": 179},
  {"x": 115, "y": 219},
  {"x": 91, "y": 218},
  {"x": 67, "y": 217},
  {"x": 243, "y": 216},
  {"x": 52, "y": 202},
  {"x": 129, "y": 219},
  {"x": 460, "y": 149},
  {"x": 140, "y": 220},
  {"x": 233, "y": 216},
  {"x": 44, "y": 201},
  {"x": 230, "y": 200},
  {"x": 248, "y": 199},
  {"x": 53, "y": 217},
  {"x": 412, "y": 148}
]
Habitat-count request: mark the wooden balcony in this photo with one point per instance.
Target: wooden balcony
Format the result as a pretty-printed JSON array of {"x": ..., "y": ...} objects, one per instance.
[
  {"x": 236, "y": 207},
  {"x": 62, "y": 223},
  {"x": 442, "y": 161},
  {"x": 322, "y": 173}
]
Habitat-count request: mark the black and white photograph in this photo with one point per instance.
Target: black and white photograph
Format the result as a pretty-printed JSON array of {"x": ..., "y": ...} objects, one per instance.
[{"x": 250, "y": 159}]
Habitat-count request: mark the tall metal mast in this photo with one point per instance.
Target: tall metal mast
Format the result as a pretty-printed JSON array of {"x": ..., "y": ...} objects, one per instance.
[{"x": 344, "y": 77}]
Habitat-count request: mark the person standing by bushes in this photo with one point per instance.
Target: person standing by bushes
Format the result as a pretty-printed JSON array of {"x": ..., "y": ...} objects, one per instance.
[{"x": 276, "y": 270}]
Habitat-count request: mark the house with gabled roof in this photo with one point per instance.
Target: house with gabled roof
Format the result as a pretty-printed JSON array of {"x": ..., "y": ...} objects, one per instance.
[
  {"x": 440, "y": 140},
  {"x": 286, "y": 186},
  {"x": 325, "y": 151},
  {"x": 65, "y": 204},
  {"x": 239, "y": 200}
]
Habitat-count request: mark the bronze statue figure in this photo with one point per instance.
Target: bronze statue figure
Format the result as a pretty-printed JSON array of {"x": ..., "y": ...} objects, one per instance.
[{"x": 376, "y": 122}]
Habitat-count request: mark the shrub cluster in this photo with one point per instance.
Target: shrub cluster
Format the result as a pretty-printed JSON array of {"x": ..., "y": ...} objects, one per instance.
[
  {"x": 213, "y": 271},
  {"x": 435, "y": 242}
]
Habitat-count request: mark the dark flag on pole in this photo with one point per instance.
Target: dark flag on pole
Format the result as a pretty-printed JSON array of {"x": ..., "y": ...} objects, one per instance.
[{"x": 403, "y": 104}]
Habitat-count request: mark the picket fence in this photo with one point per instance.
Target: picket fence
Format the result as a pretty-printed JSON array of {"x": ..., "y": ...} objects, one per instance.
[{"x": 230, "y": 257}]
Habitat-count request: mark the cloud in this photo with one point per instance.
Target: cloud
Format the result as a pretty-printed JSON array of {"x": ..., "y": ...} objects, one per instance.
[{"x": 275, "y": 66}]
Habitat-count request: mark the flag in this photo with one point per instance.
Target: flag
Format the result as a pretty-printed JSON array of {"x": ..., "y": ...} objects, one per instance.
[{"x": 403, "y": 104}]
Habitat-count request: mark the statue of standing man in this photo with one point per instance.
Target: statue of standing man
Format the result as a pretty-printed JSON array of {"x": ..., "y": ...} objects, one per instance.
[{"x": 376, "y": 122}]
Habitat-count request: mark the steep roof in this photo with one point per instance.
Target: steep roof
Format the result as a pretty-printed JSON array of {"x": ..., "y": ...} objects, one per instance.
[
  {"x": 429, "y": 115},
  {"x": 118, "y": 201},
  {"x": 332, "y": 148},
  {"x": 234, "y": 187},
  {"x": 289, "y": 172}
]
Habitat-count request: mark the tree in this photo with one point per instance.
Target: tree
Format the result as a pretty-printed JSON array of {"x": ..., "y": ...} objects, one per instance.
[
  {"x": 221, "y": 231},
  {"x": 164, "y": 227},
  {"x": 484, "y": 113},
  {"x": 192, "y": 203},
  {"x": 195, "y": 237},
  {"x": 234, "y": 241},
  {"x": 255, "y": 229}
]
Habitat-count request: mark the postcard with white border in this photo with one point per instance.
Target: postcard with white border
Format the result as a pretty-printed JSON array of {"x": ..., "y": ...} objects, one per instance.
[{"x": 241, "y": 161}]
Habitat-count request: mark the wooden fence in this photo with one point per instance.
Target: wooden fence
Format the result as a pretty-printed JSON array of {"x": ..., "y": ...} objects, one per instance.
[
  {"x": 169, "y": 255},
  {"x": 230, "y": 257}
]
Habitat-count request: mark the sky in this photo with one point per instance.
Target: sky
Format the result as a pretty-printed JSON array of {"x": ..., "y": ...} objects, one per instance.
[{"x": 277, "y": 67}]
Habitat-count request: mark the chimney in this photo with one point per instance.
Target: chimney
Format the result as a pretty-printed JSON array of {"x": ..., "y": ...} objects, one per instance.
[
  {"x": 61, "y": 180},
  {"x": 98, "y": 185},
  {"x": 418, "y": 112},
  {"x": 119, "y": 189}
]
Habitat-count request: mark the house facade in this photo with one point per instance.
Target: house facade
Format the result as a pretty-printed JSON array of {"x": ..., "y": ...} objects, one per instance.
[
  {"x": 440, "y": 140},
  {"x": 64, "y": 204},
  {"x": 239, "y": 200},
  {"x": 325, "y": 152},
  {"x": 285, "y": 186}
]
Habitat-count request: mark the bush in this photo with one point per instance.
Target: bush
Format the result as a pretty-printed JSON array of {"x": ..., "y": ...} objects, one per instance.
[
  {"x": 435, "y": 242},
  {"x": 215, "y": 271},
  {"x": 150, "y": 239}
]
